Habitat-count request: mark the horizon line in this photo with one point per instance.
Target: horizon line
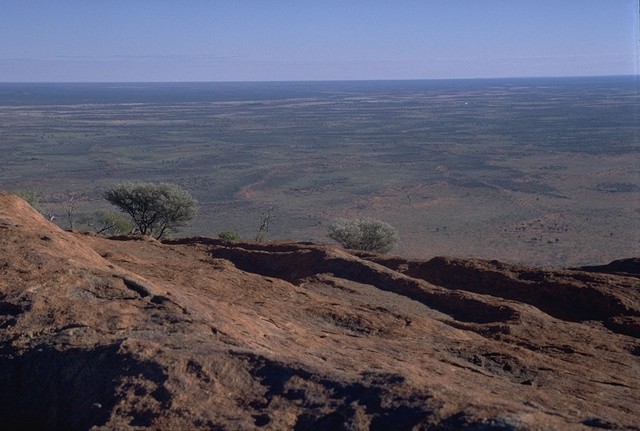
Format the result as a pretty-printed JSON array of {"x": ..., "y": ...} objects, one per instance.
[{"x": 636, "y": 76}]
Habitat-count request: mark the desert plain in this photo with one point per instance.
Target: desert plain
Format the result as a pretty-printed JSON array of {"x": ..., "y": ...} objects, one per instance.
[{"x": 539, "y": 171}]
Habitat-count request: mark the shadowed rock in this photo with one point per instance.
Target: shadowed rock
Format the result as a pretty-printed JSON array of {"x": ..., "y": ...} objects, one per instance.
[{"x": 195, "y": 333}]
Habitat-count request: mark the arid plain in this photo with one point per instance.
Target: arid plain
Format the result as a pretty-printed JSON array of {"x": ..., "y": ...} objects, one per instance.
[{"x": 536, "y": 171}]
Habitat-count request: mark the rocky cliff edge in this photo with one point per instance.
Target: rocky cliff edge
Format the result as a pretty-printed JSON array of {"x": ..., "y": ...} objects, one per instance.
[{"x": 195, "y": 333}]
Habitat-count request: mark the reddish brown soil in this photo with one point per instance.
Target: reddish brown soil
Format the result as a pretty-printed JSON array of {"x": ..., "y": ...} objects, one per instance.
[{"x": 131, "y": 333}]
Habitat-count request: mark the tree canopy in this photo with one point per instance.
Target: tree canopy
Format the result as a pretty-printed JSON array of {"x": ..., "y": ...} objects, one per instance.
[{"x": 155, "y": 209}]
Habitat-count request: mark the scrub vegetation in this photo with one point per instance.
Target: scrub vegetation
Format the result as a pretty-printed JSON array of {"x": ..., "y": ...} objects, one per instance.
[
  {"x": 542, "y": 171},
  {"x": 155, "y": 209},
  {"x": 364, "y": 234}
]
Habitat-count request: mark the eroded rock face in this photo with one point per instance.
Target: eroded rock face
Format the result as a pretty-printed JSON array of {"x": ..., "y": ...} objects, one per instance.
[{"x": 132, "y": 333}]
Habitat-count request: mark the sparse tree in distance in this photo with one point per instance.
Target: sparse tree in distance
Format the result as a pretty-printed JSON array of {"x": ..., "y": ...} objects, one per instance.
[
  {"x": 265, "y": 221},
  {"x": 31, "y": 197},
  {"x": 70, "y": 209},
  {"x": 364, "y": 234},
  {"x": 155, "y": 209},
  {"x": 107, "y": 223}
]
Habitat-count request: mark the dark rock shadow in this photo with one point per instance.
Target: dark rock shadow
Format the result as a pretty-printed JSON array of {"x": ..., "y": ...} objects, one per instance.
[{"x": 74, "y": 389}]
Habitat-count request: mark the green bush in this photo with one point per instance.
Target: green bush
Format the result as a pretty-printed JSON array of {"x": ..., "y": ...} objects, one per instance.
[
  {"x": 230, "y": 236},
  {"x": 155, "y": 209},
  {"x": 31, "y": 197},
  {"x": 364, "y": 234},
  {"x": 107, "y": 223}
]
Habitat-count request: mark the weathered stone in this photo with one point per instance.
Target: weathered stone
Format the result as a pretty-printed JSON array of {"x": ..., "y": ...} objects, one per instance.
[{"x": 201, "y": 334}]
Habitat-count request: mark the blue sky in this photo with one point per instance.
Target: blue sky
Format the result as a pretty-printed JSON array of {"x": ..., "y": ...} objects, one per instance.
[{"x": 265, "y": 40}]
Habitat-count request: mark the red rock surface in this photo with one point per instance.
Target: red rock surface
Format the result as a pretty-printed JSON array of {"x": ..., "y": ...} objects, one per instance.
[{"x": 131, "y": 333}]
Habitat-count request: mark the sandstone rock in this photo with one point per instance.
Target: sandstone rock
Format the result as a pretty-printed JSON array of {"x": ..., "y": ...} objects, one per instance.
[{"x": 196, "y": 333}]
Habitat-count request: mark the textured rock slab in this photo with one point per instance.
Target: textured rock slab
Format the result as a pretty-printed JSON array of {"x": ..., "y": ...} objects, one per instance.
[{"x": 131, "y": 333}]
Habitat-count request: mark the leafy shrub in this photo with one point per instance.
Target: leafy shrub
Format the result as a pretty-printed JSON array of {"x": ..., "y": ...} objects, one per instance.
[
  {"x": 364, "y": 234},
  {"x": 107, "y": 223},
  {"x": 31, "y": 197},
  {"x": 155, "y": 209},
  {"x": 230, "y": 236}
]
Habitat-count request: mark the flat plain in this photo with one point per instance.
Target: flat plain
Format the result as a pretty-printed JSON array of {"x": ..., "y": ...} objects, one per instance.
[{"x": 536, "y": 171}]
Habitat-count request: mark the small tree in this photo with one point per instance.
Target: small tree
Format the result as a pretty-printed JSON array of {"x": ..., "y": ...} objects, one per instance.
[
  {"x": 265, "y": 221},
  {"x": 107, "y": 223},
  {"x": 364, "y": 234},
  {"x": 155, "y": 209},
  {"x": 70, "y": 209},
  {"x": 31, "y": 197}
]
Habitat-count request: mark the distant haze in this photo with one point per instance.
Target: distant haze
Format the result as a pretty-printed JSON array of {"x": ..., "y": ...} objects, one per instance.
[{"x": 282, "y": 40}]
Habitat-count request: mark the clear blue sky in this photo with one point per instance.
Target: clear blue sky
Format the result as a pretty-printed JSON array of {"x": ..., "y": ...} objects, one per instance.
[{"x": 238, "y": 40}]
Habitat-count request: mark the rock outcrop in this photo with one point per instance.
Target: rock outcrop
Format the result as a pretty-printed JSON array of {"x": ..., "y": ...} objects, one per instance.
[{"x": 132, "y": 333}]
